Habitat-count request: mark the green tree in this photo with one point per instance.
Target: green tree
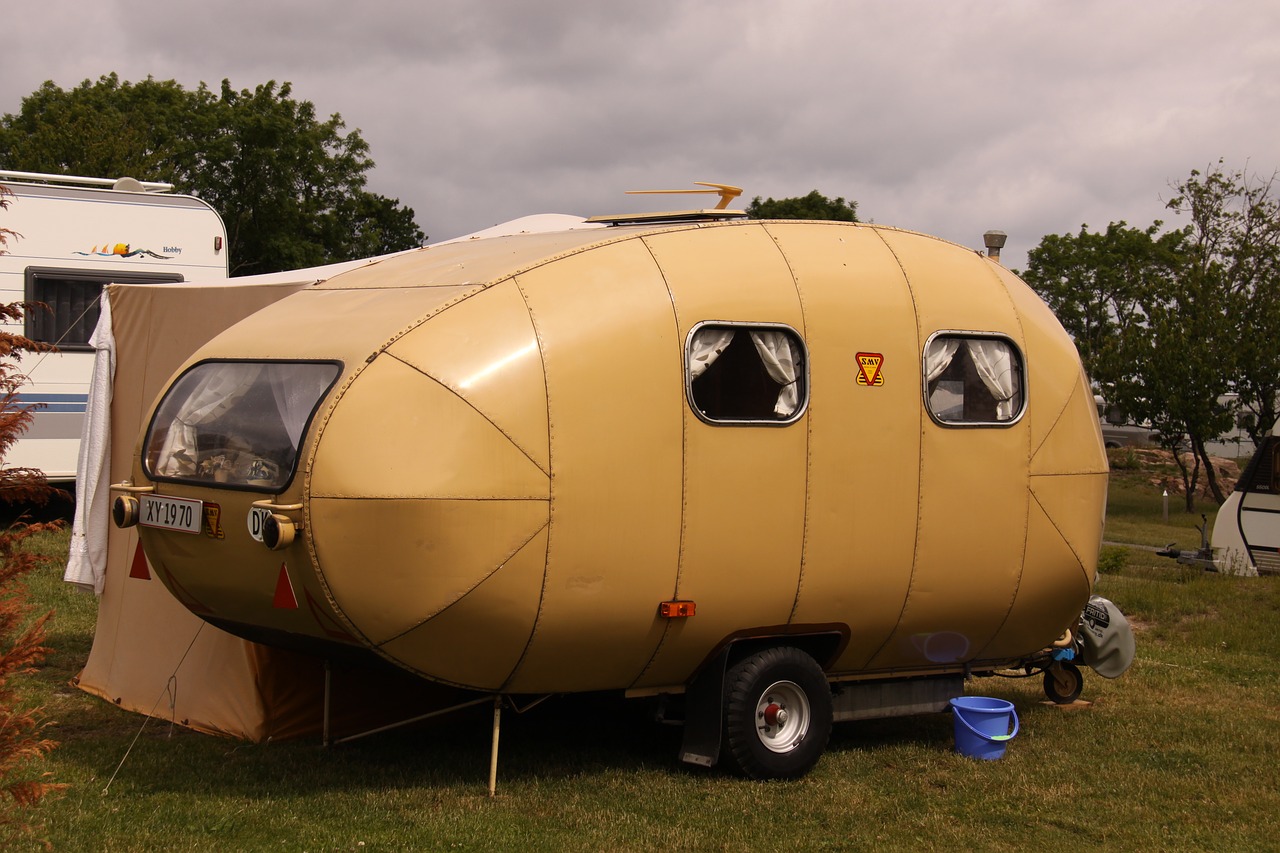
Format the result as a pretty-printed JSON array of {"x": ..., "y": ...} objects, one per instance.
[
  {"x": 289, "y": 185},
  {"x": 1178, "y": 372},
  {"x": 1095, "y": 284},
  {"x": 812, "y": 206},
  {"x": 1234, "y": 253},
  {"x": 1169, "y": 325},
  {"x": 1143, "y": 326}
]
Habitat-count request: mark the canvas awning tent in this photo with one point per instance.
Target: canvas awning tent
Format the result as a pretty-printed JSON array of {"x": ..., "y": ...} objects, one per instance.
[{"x": 150, "y": 654}]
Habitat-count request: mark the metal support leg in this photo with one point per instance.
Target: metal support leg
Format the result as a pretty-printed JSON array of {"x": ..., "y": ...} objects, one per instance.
[
  {"x": 328, "y": 686},
  {"x": 493, "y": 750}
]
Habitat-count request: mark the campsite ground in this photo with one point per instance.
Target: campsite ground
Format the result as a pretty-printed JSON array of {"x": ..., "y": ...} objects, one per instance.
[{"x": 1180, "y": 753}]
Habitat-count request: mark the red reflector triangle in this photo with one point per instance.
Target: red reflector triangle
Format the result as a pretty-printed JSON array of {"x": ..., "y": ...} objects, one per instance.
[
  {"x": 285, "y": 599},
  {"x": 139, "y": 568}
]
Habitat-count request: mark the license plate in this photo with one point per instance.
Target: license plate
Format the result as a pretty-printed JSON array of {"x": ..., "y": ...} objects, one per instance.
[{"x": 181, "y": 514}]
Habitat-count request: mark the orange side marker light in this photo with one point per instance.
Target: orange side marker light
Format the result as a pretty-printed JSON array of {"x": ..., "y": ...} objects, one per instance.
[{"x": 677, "y": 609}]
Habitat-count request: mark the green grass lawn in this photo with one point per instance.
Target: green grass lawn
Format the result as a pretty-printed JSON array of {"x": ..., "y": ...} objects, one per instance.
[{"x": 1179, "y": 753}]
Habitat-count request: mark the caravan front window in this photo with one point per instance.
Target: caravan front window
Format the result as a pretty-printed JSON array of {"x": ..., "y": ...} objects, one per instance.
[{"x": 236, "y": 424}]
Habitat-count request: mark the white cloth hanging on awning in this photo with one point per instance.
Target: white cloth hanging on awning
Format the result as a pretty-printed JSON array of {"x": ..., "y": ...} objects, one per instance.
[{"x": 87, "y": 563}]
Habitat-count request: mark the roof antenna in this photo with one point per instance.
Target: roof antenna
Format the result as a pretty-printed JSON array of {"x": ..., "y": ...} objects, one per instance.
[{"x": 727, "y": 193}]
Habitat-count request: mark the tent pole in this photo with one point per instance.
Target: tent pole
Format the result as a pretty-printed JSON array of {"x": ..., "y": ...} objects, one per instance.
[
  {"x": 493, "y": 750},
  {"x": 328, "y": 686}
]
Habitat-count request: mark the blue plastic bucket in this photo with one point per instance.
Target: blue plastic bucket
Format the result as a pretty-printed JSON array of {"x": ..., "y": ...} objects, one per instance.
[{"x": 982, "y": 726}]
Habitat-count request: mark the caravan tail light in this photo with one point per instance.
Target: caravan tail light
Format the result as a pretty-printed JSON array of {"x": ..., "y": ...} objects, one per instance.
[
  {"x": 124, "y": 511},
  {"x": 278, "y": 531}
]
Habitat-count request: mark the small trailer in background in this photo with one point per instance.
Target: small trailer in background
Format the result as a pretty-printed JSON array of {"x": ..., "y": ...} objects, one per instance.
[
  {"x": 1246, "y": 533},
  {"x": 76, "y": 234}
]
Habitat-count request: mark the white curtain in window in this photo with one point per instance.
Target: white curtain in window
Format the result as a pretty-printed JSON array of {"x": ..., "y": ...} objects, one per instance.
[
  {"x": 939, "y": 355},
  {"x": 705, "y": 348},
  {"x": 780, "y": 360},
  {"x": 216, "y": 391},
  {"x": 296, "y": 389},
  {"x": 994, "y": 361}
]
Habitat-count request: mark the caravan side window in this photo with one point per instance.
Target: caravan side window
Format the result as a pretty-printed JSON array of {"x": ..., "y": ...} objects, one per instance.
[
  {"x": 973, "y": 379},
  {"x": 1263, "y": 471},
  {"x": 746, "y": 373},
  {"x": 70, "y": 298}
]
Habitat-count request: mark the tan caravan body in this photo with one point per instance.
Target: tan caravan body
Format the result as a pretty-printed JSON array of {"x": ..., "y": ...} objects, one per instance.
[{"x": 506, "y": 479}]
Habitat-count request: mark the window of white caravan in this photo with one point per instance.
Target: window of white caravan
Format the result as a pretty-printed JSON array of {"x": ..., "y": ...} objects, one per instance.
[
  {"x": 973, "y": 379},
  {"x": 746, "y": 373},
  {"x": 236, "y": 424},
  {"x": 68, "y": 308},
  {"x": 1263, "y": 471}
]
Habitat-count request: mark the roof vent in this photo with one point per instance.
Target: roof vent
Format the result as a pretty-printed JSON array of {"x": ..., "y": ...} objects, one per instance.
[{"x": 994, "y": 241}]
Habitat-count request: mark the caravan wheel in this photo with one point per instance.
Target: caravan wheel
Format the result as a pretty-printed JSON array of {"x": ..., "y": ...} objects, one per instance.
[
  {"x": 777, "y": 714},
  {"x": 1063, "y": 683}
]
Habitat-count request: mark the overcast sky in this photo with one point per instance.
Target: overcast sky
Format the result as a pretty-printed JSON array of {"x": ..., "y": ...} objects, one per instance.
[{"x": 949, "y": 117}]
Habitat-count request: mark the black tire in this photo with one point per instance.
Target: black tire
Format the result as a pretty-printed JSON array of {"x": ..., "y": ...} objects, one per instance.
[
  {"x": 777, "y": 714},
  {"x": 1063, "y": 683}
]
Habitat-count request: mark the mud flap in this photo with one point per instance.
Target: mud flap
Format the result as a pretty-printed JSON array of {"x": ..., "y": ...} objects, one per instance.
[{"x": 704, "y": 714}]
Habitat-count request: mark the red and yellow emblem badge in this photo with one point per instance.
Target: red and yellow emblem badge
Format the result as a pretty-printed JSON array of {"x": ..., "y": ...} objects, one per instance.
[{"x": 869, "y": 368}]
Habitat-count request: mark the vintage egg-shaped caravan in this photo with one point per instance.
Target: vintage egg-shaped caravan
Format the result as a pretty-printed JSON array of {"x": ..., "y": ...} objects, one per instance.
[{"x": 785, "y": 468}]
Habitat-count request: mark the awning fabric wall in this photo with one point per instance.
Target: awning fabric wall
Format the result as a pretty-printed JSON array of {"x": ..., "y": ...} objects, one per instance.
[{"x": 150, "y": 654}]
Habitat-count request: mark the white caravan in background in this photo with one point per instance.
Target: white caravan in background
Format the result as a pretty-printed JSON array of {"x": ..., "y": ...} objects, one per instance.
[
  {"x": 1246, "y": 533},
  {"x": 75, "y": 235}
]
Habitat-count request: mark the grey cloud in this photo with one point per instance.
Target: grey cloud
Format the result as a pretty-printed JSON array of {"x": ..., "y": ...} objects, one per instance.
[{"x": 948, "y": 117}]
